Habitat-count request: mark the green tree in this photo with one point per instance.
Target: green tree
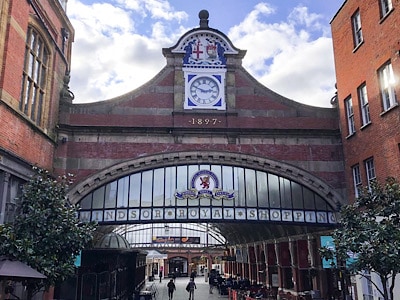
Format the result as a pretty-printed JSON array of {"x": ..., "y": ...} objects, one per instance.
[
  {"x": 370, "y": 229},
  {"x": 46, "y": 233}
]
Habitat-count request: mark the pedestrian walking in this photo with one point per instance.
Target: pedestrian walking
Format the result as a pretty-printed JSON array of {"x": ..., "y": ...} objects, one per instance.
[
  {"x": 193, "y": 274},
  {"x": 191, "y": 286},
  {"x": 160, "y": 275},
  {"x": 211, "y": 282},
  {"x": 171, "y": 288}
]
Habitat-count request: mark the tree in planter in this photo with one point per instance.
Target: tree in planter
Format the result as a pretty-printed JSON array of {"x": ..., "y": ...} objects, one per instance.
[
  {"x": 370, "y": 228},
  {"x": 46, "y": 233}
]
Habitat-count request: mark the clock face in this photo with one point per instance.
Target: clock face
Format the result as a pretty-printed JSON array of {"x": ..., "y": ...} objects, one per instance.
[{"x": 204, "y": 90}]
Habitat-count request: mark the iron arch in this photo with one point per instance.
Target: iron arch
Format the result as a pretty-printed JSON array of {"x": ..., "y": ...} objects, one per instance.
[
  {"x": 292, "y": 172},
  {"x": 235, "y": 233}
]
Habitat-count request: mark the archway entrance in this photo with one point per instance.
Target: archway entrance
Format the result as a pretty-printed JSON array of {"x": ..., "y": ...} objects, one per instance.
[{"x": 263, "y": 218}]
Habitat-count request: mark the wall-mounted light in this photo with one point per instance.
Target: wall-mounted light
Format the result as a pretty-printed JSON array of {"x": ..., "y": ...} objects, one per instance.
[
  {"x": 64, "y": 33},
  {"x": 65, "y": 37}
]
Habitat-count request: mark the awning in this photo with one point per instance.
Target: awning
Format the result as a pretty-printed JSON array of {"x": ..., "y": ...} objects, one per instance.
[{"x": 14, "y": 268}]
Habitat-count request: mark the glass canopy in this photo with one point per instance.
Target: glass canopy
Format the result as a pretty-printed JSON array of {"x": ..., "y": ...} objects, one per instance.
[
  {"x": 170, "y": 235},
  {"x": 169, "y": 186}
]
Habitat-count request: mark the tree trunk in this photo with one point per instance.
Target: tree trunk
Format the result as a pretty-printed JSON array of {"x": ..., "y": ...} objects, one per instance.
[
  {"x": 384, "y": 280},
  {"x": 392, "y": 286}
]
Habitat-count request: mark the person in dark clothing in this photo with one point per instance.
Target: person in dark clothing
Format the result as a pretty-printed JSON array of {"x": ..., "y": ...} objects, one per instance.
[
  {"x": 193, "y": 274},
  {"x": 160, "y": 276},
  {"x": 211, "y": 282},
  {"x": 171, "y": 288},
  {"x": 191, "y": 286}
]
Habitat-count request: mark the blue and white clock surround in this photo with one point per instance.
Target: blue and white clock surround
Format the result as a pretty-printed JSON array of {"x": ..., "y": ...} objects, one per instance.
[
  {"x": 204, "y": 66},
  {"x": 205, "y": 90}
]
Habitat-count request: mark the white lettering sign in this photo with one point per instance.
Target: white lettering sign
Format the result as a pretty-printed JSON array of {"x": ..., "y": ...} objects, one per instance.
[
  {"x": 193, "y": 213},
  {"x": 134, "y": 214},
  {"x": 208, "y": 213}
]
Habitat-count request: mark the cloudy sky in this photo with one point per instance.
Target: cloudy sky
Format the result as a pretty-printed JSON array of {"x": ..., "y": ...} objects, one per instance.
[{"x": 118, "y": 43}]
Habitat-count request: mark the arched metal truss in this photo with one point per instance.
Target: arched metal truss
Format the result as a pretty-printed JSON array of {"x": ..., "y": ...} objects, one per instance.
[
  {"x": 234, "y": 233},
  {"x": 172, "y": 235},
  {"x": 182, "y": 158}
]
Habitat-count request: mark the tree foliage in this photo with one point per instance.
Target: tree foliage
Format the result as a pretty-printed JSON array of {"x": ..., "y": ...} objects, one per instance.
[
  {"x": 370, "y": 229},
  {"x": 46, "y": 233}
]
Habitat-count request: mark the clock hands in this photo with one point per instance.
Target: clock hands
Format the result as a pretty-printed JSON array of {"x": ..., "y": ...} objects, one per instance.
[{"x": 203, "y": 90}]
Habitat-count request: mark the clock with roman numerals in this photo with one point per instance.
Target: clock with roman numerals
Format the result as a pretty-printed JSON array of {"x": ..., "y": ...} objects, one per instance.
[{"x": 204, "y": 90}]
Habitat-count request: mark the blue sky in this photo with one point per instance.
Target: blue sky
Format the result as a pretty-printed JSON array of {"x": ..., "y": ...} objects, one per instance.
[{"x": 118, "y": 43}]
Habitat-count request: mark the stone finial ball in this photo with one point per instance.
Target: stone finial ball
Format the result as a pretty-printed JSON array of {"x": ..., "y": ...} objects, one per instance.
[{"x": 203, "y": 14}]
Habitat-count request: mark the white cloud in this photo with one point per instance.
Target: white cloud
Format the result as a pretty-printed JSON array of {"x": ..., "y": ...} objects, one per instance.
[
  {"x": 158, "y": 9},
  {"x": 110, "y": 56},
  {"x": 303, "y": 77},
  {"x": 284, "y": 57}
]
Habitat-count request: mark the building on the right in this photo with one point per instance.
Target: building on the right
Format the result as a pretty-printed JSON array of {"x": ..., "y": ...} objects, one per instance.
[{"x": 366, "y": 43}]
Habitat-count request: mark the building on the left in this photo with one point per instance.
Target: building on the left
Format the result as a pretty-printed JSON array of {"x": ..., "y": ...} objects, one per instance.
[{"x": 35, "y": 54}]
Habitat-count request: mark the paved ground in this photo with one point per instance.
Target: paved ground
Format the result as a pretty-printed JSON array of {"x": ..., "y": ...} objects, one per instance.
[{"x": 201, "y": 293}]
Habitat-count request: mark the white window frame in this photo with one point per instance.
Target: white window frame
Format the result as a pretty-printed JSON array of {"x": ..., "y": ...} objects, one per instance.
[
  {"x": 350, "y": 115},
  {"x": 370, "y": 170},
  {"x": 364, "y": 105},
  {"x": 386, "y": 6},
  {"x": 356, "y": 179},
  {"x": 34, "y": 77},
  {"x": 357, "y": 31},
  {"x": 386, "y": 83}
]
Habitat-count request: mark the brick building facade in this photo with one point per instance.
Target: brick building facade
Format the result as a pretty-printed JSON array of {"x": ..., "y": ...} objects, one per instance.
[
  {"x": 160, "y": 124},
  {"x": 35, "y": 54},
  {"x": 366, "y": 51},
  {"x": 203, "y": 111}
]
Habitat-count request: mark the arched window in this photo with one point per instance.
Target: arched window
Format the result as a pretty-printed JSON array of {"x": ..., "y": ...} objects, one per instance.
[
  {"x": 232, "y": 193},
  {"x": 34, "y": 77}
]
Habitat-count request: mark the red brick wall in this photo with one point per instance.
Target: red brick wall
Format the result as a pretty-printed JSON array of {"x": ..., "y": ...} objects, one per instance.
[
  {"x": 381, "y": 138},
  {"x": 14, "y": 46},
  {"x": 145, "y": 123},
  {"x": 18, "y": 135},
  {"x": 20, "y": 139}
]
